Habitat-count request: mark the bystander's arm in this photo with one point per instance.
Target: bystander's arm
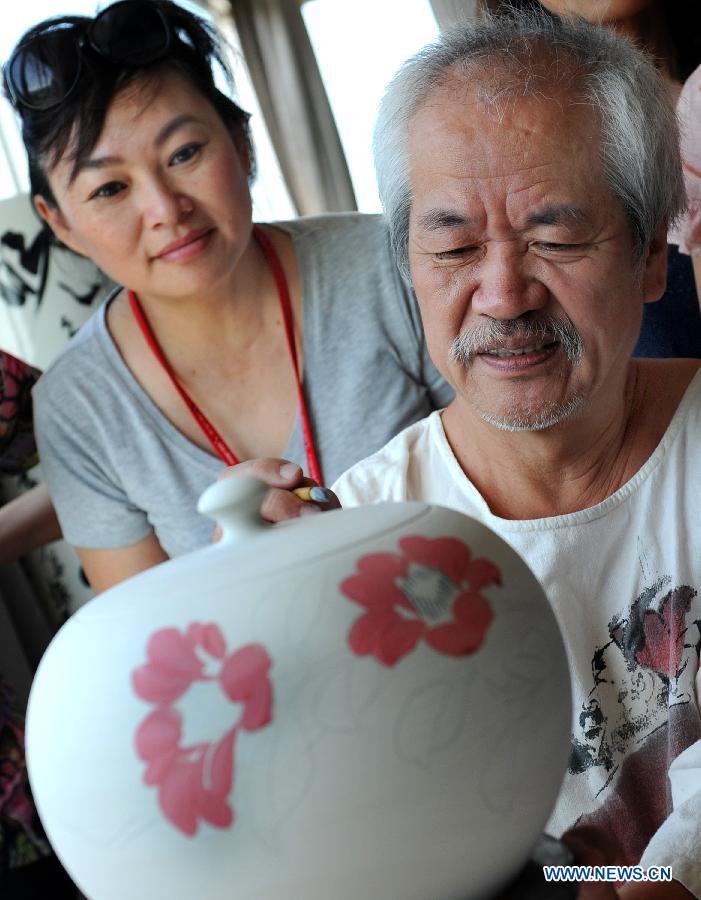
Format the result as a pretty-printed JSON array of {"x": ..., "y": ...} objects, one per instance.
[{"x": 27, "y": 522}]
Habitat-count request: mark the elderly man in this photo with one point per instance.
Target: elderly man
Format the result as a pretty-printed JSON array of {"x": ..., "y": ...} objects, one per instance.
[{"x": 529, "y": 171}]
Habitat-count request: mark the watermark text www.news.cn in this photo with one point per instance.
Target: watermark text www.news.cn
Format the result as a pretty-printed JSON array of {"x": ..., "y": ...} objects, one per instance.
[{"x": 607, "y": 873}]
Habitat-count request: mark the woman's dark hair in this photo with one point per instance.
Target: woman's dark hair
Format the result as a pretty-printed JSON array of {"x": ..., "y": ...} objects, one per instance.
[
  {"x": 195, "y": 51},
  {"x": 683, "y": 19}
]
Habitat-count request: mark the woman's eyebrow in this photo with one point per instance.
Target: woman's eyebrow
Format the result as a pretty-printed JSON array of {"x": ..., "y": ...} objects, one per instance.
[
  {"x": 102, "y": 162},
  {"x": 174, "y": 125}
]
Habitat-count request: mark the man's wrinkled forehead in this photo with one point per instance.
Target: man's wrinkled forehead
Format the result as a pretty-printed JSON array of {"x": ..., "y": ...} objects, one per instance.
[
  {"x": 495, "y": 84},
  {"x": 483, "y": 119}
]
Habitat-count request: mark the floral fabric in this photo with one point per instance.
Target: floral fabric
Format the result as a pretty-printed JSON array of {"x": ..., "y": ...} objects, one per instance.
[
  {"x": 17, "y": 447},
  {"x": 22, "y": 840}
]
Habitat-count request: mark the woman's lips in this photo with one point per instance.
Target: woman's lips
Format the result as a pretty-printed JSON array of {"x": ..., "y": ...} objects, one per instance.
[{"x": 186, "y": 248}]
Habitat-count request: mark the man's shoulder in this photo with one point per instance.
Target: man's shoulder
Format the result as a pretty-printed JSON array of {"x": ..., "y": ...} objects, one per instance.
[{"x": 387, "y": 474}]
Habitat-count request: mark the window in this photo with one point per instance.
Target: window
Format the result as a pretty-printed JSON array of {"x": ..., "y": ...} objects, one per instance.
[{"x": 359, "y": 46}]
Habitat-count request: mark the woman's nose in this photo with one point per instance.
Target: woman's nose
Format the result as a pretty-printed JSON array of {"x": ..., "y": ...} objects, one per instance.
[
  {"x": 165, "y": 206},
  {"x": 506, "y": 287}
]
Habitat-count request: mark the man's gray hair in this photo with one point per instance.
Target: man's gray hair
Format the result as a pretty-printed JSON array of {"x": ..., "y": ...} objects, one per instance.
[{"x": 535, "y": 52}]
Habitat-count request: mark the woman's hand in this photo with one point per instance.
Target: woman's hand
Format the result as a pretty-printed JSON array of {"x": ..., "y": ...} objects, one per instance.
[{"x": 284, "y": 477}]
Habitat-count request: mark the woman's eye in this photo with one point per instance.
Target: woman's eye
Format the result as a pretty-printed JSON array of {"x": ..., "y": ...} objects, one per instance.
[
  {"x": 185, "y": 154},
  {"x": 111, "y": 189}
]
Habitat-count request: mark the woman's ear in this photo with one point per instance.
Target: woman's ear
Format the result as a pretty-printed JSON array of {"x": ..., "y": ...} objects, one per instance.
[{"x": 56, "y": 221}]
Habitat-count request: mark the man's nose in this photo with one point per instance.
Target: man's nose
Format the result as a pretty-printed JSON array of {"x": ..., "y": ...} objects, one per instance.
[
  {"x": 507, "y": 287},
  {"x": 164, "y": 205}
]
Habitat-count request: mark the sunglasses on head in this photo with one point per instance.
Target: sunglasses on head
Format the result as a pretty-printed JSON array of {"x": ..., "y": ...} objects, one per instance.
[{"x": 42, "y": 72}]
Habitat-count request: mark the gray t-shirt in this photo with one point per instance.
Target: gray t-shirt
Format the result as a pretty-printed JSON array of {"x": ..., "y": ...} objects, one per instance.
[{"x": 117, "y": 468}]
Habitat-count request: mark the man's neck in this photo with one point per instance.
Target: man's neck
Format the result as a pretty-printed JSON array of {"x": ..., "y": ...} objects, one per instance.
[{"x": 578, "y": 463}]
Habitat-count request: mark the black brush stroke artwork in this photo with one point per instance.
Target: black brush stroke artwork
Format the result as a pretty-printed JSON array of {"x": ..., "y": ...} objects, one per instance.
[{"x": 27, "y": 274}]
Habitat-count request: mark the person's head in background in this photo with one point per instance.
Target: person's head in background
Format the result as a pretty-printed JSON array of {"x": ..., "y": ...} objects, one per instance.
[
  {"x": 669, "y": 29},
  {"x": 69, "y": 75}
]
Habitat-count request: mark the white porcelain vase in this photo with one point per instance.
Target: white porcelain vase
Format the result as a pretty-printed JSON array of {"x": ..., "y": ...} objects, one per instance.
[{"x": 370, "y": 703}]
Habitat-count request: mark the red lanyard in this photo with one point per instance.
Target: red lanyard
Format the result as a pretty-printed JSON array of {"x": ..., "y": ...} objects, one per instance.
[{"x": 221, "y": 448}]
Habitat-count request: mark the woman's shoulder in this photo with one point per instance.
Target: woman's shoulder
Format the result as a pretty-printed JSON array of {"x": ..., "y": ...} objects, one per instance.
[
  {"x": 330, "y": 225},
  {"x": 344, "y": 251},
  {"x": 82, "y": 361}
]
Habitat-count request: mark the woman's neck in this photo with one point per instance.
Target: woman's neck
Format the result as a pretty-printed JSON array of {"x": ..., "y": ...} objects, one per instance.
[{"x": 230, "y": 312}]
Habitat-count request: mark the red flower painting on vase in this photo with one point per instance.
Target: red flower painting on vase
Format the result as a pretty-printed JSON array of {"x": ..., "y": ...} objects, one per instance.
[
  {"x": 430, "y": 591},
  {"x": 194, "y": 781}
]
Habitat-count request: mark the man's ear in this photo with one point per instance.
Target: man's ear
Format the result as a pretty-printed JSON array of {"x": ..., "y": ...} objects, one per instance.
[
  {"x": 655, "y": 267},
  {"x": 56, "y": 221}
]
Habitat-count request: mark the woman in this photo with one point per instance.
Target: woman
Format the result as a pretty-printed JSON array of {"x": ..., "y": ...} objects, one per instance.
[
  {"x": 671, "y": 33},
  {"x": 139, "y": 162}
]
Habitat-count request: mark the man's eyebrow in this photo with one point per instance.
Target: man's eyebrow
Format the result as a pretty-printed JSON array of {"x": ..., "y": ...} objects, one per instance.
[
  {"x": 559, "y": 214},
  {"x": 435, "y": 219},
  {"x": 102, "y": 162}
]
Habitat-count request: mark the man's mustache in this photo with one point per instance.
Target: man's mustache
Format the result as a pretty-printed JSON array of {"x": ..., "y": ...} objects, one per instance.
[{"x": 530, "y": 327}]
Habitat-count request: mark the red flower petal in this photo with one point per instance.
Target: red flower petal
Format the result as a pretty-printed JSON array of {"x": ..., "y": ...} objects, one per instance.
[
  {"x": 465, "y": 635},
  {"x": 158, "y": 734},
  {"x": 242, "y": 670},
  {"x": 258, "y": 710},
  {"x": 154, "y": 685},
  {"x": 215, "y": 810},
  {"x": 159, "y": 768},
  {"x": 171, "y": 651},
  {"x": 179, "y": 795},
  {"x": 221, "y": 764},
  {"x": 363, "y": 635},
  {"x": 374, "y": 583},
  {"x": 397, "y": 640},
  {"x": 213, "y": 641},
  {"x": 382, "y": 565},
  {"x": 472, "y": 610},
  {"x": 449, "y": 555},
  {"x": 381, "y": 594},
  {"x": 452, "y": 557},
  {"x": 193, "y": 635},
  {"x": 482, "y": 573}
]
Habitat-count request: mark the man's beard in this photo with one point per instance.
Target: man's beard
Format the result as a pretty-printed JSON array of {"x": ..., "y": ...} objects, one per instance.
[{"x": 537, "y": 329}]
